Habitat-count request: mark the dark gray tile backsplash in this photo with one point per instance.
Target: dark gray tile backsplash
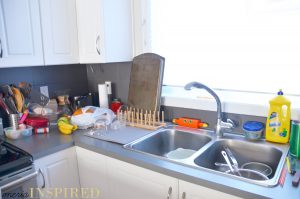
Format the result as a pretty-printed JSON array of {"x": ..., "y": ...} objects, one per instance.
[
  {"x": 117, "y": 73},
  {"x": 81, "y": 79},
  {"x": 59, "y": 77}
]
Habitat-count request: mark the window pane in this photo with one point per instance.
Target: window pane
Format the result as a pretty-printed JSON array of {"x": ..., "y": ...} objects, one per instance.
[{"x": 251, "y": 45}]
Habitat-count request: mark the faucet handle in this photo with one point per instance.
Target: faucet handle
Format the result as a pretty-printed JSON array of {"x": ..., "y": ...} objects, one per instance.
[
  {"x": 232, "y": 123},
  {"x": 228, "y": 126}
]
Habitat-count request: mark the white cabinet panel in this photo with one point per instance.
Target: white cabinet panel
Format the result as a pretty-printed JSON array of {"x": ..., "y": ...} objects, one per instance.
[
  {"x": 193, "y": 191},
  {"x": 129, "y": 181},
  {"x": 89, "y": 20},
  {"x": 59, "y": 30},
  {"x": 60, "y": 172},
  {"x": 20, "y": 33},
  {"x": 93, "y": 172}
]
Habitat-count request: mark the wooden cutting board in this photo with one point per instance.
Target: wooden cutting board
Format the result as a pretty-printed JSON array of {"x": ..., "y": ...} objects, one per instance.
[{"x": 146, "y": 81}]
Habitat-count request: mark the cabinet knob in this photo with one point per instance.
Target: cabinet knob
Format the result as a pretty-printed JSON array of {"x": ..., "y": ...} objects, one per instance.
[
  {"x": 169, "y": 193},
  {"x": 183, "y": 195},
  {"x": 1, "y": 50},
  {"x": 97, "y": 45}
]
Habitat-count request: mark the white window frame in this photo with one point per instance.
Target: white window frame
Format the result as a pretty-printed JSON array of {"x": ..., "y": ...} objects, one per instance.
[{"x": 238, "y": 102}]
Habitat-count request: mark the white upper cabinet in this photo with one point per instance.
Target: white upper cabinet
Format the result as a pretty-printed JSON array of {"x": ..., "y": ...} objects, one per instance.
[
  {"x": 89, "y": 22},
  {"x": 20, "y": 33},
  {"x": 59, "y": 29},
  {"x": 105, "y": 30}
]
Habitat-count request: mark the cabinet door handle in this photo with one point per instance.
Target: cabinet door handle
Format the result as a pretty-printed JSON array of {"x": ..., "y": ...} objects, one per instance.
[
  {"x": 44, "y": 182},
  {"x": 169, "y": 193},
  {"x": 97, "y": 45},
  {"x": 1, "y": 50},
  {"x": 183, "y": 195}
]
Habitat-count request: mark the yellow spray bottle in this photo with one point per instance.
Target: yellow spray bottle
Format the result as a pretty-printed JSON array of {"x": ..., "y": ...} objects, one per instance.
[{"x": 278, "y": 121}]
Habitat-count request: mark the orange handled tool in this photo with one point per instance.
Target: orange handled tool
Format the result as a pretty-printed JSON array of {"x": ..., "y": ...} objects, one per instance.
[{"x": 190, "y": 122}]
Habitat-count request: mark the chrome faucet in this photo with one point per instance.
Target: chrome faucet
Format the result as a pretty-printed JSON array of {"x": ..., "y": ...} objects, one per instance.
[{"x": 221, "y": 125}]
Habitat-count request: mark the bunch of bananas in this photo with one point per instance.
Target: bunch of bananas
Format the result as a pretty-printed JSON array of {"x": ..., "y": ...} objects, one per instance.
[{"x": 64, "y": 126}]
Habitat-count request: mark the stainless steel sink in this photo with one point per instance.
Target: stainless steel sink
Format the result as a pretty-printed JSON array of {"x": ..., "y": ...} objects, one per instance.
[
  {"x": 208, "y": 146},
  {"x": 167, "y": 140},
  {"x": 244, "y": 152}
]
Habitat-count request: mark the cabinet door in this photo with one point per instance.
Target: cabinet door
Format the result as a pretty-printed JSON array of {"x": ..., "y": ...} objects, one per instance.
[
  {"x": 20, "y": 33},
  {"x": 90, "y": 31},
  {"x": 117, "y": 38},
  {"x": 59, "y": 30},
  {"x": 92, "y": 173},
  {"x": 130, "y": 181},
  {"x": 192, "y": 191},
  {"x": 105, "y": 30},
  {"x": 61, "y": 174}
]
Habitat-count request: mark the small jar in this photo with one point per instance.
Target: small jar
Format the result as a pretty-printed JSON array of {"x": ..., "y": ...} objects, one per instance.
[{"x": 253, "y": 130}]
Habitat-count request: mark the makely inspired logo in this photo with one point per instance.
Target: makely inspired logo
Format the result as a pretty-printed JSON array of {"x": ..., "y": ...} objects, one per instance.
[{"x": 61, "y": 193}]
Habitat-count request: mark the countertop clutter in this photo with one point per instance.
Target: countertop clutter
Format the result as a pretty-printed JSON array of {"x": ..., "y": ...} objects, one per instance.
[{"x": 43, "y": 145}]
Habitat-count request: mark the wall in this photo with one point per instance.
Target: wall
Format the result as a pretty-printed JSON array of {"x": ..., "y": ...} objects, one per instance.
[
  {"x": 119, "y": 75},
  {"x": 60, "y": 77}
]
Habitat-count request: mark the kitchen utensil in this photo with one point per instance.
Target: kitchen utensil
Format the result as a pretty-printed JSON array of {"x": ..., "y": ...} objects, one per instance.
[
  {"x": 8, "y": 98},
  {"x": 11, "y": 105},
  {"x": 146, "y": 81},
  {"x": 233, "y": 160},
  {"x": 250, "y": 174},
  {"x": 218, "y": 164},
  {"x": 227, "y": 161},
  {"x": 4, "y": 106},
  {"x": 25, "y": 89},
  {"x": 18, "y": 98},
  {"x": 7, "y": 90},
  {"x": 295, "y": 139},
  {"x": 259, "y": 167}
]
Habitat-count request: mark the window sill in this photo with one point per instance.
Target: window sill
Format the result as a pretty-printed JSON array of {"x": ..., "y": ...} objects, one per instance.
[{"x": 246, "y": 103}]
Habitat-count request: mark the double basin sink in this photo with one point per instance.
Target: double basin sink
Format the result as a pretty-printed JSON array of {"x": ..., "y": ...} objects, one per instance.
[{"x": 202, "y": 149}]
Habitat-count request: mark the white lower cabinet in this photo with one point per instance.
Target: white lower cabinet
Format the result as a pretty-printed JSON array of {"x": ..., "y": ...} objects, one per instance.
[
  {"x": 59, "y": 175},
  {"x": 130, "y": 181},
  {"x": 115, "y": 179},
  {"x": 192, "y": 191},
  {"x": 93, "y": 173}
]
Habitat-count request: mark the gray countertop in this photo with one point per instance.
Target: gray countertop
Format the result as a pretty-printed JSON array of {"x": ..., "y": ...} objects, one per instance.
[{"x": 42, "y": 145}]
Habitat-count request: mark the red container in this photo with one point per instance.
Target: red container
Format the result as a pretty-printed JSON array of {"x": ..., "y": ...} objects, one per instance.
[
  {"x": 115, "y": 105},
  {"x": 37, "y": 122}
]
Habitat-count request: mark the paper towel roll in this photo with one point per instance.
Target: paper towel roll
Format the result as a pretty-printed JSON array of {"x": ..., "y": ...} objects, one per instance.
[{"x": 103, "y": 97}]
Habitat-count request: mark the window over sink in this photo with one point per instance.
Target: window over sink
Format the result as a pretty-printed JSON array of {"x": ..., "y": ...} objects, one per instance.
[{"x": 244, "y": 45}]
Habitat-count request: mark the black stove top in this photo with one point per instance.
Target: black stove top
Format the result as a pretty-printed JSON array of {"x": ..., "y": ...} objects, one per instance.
[{"x": 12, "y": 159}]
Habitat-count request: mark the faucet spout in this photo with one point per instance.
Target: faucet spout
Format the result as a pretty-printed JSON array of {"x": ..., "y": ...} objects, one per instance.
[{"x": 220, "y": 123}]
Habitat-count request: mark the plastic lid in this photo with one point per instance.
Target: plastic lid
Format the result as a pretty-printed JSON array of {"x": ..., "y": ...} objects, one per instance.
[
  {"x": 253, "y": 126},
  {"x": 280, "y": 92}
]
